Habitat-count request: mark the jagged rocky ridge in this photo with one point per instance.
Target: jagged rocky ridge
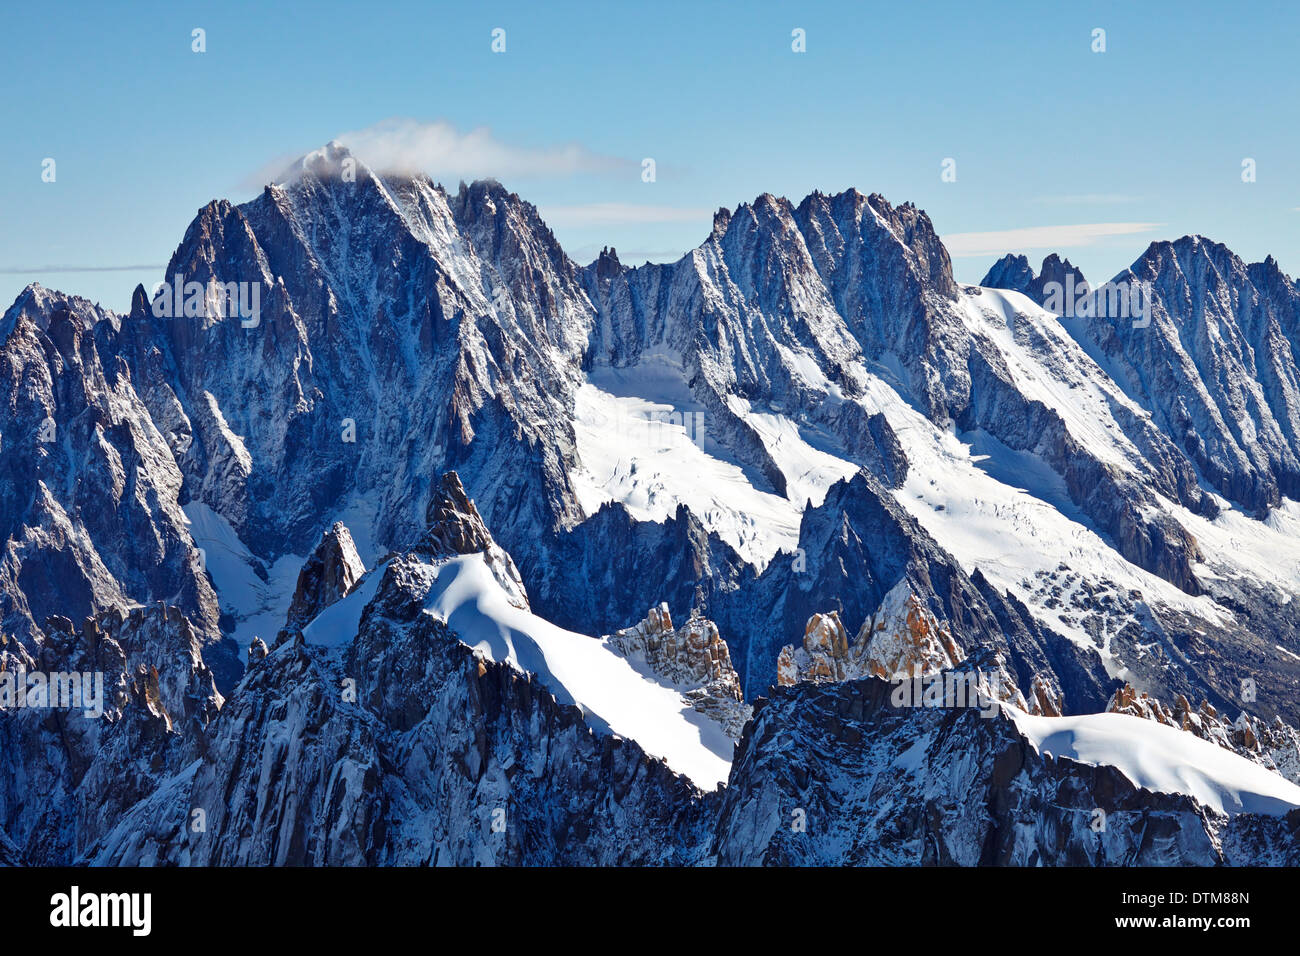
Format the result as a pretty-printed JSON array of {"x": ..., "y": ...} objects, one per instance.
[
  {"x": 401, "y": 747},
  {"x": 837, "y": 319},
  {"x": 406, "y": 745},
  {"x": 67, "y": 778},
  {"x": 693, "y": 656},
  {"x": 90, "y": 494},
  {"x": 833, "y": 774},
  {"x": 1217, "y": 367},
  {"x": 861, "y": 546}
]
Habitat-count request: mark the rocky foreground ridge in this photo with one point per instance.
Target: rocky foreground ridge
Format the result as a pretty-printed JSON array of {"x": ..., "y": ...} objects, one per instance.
[{"x": 405, "y": 745}]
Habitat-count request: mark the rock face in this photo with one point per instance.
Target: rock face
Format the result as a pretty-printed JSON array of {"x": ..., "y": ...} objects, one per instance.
[
  {"x": 692, "y": 656},
  {"x": 89, "y": 491},
  {"x": 823, "y": 656},
  {"x": 329, "y": 574},
  {"x": 942, "y": 787},
  {"x": 869, "y": 562},
  {"x": 903, "y": 643},
  {"x": 9, "y": 855},
  {"x": 693, "y": 653},
  {"x": 625, "y": 565},
  {"x": 902, "y": 639},
  {"x": 1222, "y": 339},
  {"x": 69, "y": 776},
  {"x": 406, "y": 746},
  {"x": 470, "y": 294}
]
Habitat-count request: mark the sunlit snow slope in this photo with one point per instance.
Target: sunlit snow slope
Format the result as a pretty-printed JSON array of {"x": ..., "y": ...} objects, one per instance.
[
  {"x": 633, "y": 451},
  {"x": 1164, "y": 759},
  {"x": 615, "y": 696}
]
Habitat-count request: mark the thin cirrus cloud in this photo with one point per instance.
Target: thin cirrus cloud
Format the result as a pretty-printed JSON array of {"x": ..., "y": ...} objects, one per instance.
[
  {"x": 1088, "y": 199},
  {"x": 970, "y": 244},
  {"x": 26, "y": 270}
]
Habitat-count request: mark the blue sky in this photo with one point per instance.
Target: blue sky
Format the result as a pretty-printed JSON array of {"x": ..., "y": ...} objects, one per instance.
[{"x": 1141, "y": 142}]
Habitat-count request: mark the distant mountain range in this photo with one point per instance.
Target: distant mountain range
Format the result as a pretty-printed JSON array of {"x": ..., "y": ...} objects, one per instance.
[{"x": 399, "y": 537}]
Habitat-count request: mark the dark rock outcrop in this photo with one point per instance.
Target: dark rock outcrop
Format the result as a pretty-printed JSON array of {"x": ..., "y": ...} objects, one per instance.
[
  {"x": 835, "y": 774},
  {"x": 329, "y": 574}
]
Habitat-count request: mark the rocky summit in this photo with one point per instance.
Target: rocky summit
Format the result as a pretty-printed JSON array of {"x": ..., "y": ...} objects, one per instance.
[{"x": 396, "y": 536}]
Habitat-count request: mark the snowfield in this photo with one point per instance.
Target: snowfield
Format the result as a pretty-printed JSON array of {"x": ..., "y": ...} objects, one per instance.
[
  {"x": 634, "y": 454},
  {"x": 259, "y": 607},
  {"x": 579, "y": 670},
  {"x": 336, "y": 626},
  {"x": 1161, "y": 758}
]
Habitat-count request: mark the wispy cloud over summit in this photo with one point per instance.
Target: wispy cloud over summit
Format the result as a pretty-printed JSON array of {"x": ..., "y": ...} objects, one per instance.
[{"x": 446, "y": 153}]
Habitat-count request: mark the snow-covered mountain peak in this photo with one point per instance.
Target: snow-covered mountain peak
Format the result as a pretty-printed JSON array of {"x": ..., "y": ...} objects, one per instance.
[
  {"x": 39, "y": 305},
  {"x": 333, "y": 160},
  {"x": 456, "y": 528},
  {"x": 1015, "y": 273},
  {"x": 805, "y": 418}
]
